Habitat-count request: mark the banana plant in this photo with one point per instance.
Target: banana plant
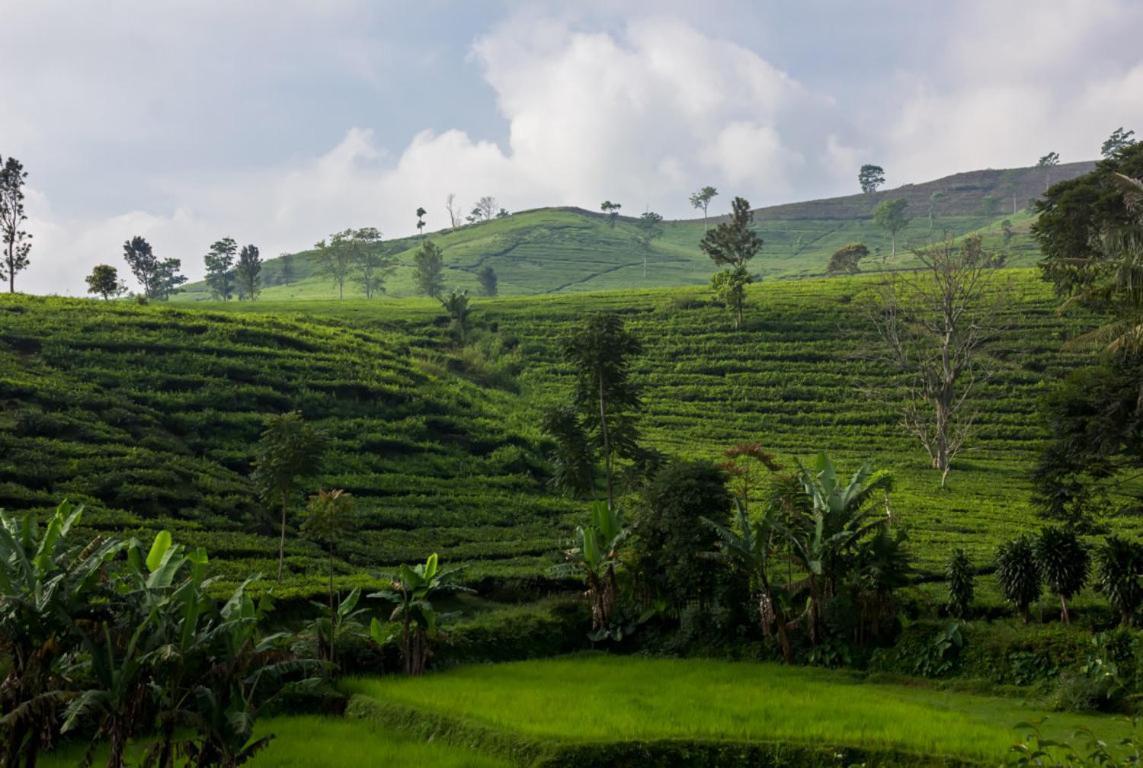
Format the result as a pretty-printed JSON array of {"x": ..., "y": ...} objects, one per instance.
[
  {"x": 412, "y": 591},
  {"x": 248, "y": 671},
  {"x": 750, "y": 546},
  {"x": 50, "y": 586},
  {"x": 325, "y": 632},
  {"x": 155, "y": 592},
  {"x": 598, "y": 556},
  {"x": 827, "y": 529}
]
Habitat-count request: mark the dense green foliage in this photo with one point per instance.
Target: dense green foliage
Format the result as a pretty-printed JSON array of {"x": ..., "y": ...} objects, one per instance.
[
  {"x": 673, "y": 542},
  {"x": 961, "y": 589},
  {"x": 1018, "y": 572}
]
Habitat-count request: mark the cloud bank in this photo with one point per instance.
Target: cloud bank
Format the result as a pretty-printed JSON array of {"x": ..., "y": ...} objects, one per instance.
[{"x": 642, "y": 113}]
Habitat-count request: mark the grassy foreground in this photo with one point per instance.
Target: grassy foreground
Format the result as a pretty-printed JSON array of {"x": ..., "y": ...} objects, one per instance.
[
  {"x": 599, "y": 698},
  {"x": 326, "y": 742}
]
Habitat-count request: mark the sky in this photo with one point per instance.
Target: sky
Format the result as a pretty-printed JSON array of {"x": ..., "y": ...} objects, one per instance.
[{"x": 277, "y": 122}]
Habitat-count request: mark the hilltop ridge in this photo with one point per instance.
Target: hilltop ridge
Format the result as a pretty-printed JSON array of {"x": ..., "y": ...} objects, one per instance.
[{"x": 561, "y": 249}]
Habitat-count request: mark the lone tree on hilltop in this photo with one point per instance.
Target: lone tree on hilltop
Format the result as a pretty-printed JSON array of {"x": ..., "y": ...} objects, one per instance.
[
  {"x": 1048, "y": 162},
  {"x": 104, "y": 281},
  {"x": 289, "y": 451},
  {"x": 890, "y": 215},
  {"x": 421, "y": 221},
  {"x": 219, "y": 261},
  {"x": 453, "y": 210},
  {"x": 846, "y": 259},
  {"x": 934, "y": 198},
  {"x": 611, "y": 209},
  {"x": 933, "y": 324},
  {"x": 601, "y": 351},
  {"x": 484, "y": 210},
  {"x": 870, "y": 177},
  {"x": 248, "y": 272},
  {"x": 159, "y": 278},
  {"x": 1116, "y": 143},
  {"x": 733, "y": 244},
  {"x": 701, "y": 200},
  {"x": 429, "y": 263},
  {"x": 17, "y": 242}
]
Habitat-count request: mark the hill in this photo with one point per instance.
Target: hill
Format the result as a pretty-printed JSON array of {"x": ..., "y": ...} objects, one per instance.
[
  {"x": 559, "y": 250},
  {"x": 150, "y": 414}
]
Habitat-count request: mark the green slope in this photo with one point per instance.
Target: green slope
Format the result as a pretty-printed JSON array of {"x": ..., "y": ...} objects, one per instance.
[
  {"x": 558, "y": 250},
  {"x": 151, "y": 413}
]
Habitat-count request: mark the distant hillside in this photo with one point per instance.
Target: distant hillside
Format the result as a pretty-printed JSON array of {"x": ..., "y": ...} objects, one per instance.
[
  {"x": 993, "y": 192},
  {"x": 555, "y": 250}
]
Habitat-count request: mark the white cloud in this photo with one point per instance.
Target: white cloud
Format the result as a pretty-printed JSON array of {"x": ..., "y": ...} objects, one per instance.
[
  {"x": 1023, "y": 78},
  {"x": 640, "y": 117},
  {"x": 643, "y": 111}
]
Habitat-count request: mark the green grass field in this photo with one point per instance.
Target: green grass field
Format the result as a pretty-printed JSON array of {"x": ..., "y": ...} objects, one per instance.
[
  {"x": 600, "y": 698},
  {"x": 328, "y": 742}
]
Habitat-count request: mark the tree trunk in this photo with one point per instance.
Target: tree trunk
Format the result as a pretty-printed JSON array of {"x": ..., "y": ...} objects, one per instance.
[
  {"x": 606, "y": 444},
  {"x": 332, "y": 610},
  {"x": 1064, "y": 617},
  {"x": 282, "y": 538}
]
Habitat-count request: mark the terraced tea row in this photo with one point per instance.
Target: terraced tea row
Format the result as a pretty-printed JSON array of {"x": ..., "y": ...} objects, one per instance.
[{"x": 151, "y": 416}]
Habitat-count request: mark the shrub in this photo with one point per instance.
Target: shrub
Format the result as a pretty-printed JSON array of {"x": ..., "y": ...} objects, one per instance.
[
  {"x": 961, "y": 591},
  {"x": 1063, "y": 562},
  {"x": 673, "y": 542},
  {"x": 1018, "y": 574},
  {"x": 1117, "y": 566}
]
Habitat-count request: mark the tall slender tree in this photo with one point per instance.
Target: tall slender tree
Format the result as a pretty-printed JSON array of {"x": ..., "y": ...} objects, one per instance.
[
  {"x": 933, "y": 324},
  {"x": 650, "y": 227},
  {"x": 611, "y": 209},
  {"x": 429, "y": 263},
  {"x": 335, "y": 258},
  {"x": 370, "y": 263},
  {"x": 701, "y": 200},
  {"x": 453, "y": 210},
  {"x": 17, "y": 243},
  {"x": 219, "y": 261},
  {"x": 890, "y": 215},
  {"x": 248, "y": 272},
  {"x": 289, "y": 451},
  {"x": 733, "y": 244},
  {"x": 601, "y": 351},
  {"x": 421, "y": 221},
  {"x": 287, "y": 268}
]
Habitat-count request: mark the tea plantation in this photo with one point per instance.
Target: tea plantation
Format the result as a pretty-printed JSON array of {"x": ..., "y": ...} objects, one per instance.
[{"x": 150, "y": 414}]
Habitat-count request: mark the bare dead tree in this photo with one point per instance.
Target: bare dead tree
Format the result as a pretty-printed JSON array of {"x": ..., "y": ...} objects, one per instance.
[
  {"x": 933, "y": 324},
  {"x": 487, "y": 207},
  {"x": 453, "y": 210}
]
